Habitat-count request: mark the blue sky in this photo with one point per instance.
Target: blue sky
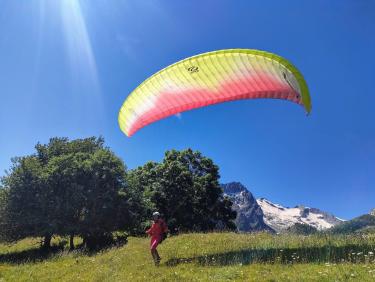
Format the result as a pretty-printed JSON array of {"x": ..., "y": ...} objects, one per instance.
[{"x": 67, "y": 66}]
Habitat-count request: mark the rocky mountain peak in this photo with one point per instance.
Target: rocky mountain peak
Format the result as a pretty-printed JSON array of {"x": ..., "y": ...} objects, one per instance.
[
  {"x": 249, "y": 213},
  {"x": 233, "y": 188},
  {"x": 372, "y": 212}
]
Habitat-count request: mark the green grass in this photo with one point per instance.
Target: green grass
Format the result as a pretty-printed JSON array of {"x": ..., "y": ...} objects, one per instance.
[{"x": 201, "y": 257}]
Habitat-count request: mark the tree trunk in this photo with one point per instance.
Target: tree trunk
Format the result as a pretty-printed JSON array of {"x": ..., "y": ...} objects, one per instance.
[
  {"x": 71, "y": 242},
  {"x": 47, "y": 242}
]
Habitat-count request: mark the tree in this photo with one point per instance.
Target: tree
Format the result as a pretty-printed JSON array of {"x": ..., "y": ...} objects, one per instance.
[
  {"x": 139, "y": 192},
  {"x": 103, "y": 179},
  {"x": 184, "y": 187},
  {"x": 66, "y": 188},
  {"x": 3, "y": 201},
  {"x": 26, "y": 210},
  {"x": 66, "y": 192}
]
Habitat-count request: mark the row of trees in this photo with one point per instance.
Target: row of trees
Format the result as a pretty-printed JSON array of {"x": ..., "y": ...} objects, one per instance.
[{"x": 81, "y": 188}]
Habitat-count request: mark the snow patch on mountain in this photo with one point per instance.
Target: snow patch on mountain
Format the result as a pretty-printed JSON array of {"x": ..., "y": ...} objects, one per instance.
[{"x": 280, "y": 218}]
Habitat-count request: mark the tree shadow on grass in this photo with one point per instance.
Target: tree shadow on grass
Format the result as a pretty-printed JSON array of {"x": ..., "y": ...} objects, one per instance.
[
  {"x": 332, "y": 254},
  {"x": 38, "y": 254},
  {"x": 30, "y": 255}
]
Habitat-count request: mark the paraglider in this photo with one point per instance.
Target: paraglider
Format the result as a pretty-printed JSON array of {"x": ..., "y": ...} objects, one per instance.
[{"x": 212, "y": 78}]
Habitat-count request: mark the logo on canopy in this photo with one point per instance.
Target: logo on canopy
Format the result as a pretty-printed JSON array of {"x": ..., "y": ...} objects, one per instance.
[{"x": 193, "y": 69}]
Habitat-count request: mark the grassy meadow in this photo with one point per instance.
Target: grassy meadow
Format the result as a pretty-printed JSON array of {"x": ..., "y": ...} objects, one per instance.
[{"x": 200, "y": 257}]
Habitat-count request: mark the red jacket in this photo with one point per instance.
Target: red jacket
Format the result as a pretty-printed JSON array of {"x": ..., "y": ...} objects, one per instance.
[{"x": 158, "y": 228}]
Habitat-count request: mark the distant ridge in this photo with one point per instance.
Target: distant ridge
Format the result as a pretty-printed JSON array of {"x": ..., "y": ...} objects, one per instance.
[
  {"x": 281, "y": 218},
  {"x": 264, "y": 215},
  {"x": 364, "y": 223}
]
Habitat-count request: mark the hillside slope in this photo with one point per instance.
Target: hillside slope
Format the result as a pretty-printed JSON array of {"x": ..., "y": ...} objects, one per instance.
[
  {"x": 363, "y": 222},
  {"x": 201, "y": 257}
]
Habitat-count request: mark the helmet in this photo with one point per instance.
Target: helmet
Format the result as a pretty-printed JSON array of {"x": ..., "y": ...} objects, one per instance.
[{"x": 156, "y": 214}]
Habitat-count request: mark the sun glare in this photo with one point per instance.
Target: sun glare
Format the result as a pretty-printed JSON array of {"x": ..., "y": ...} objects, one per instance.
[{"x": 78, "y": 41}]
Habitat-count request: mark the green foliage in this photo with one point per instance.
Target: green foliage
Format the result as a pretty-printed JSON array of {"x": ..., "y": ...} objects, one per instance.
[
  {"x": 26, "y": 210},
  {"x": 366, "y": 230},
  {"x": 302, "y": 229},
  {"x": 184, "y": 187},
  {"x": 139, "y": 195},
  {"x": 3, "y": 201},
  {"x": 65, "y": 188},
  {"x": 80, "y": 187}
]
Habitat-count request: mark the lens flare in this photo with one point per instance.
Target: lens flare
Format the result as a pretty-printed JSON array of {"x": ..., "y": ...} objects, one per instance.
[{"x": 78, "y": 41}]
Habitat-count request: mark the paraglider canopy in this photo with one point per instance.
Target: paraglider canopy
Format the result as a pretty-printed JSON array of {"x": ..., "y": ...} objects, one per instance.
[{"x": 212, "y": 78}]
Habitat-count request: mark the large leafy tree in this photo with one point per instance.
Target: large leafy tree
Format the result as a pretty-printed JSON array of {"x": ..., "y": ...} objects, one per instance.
[
  {"x": 140, "y": 183},
  {"x": 185, "y": 188},
  {"x": 65, "y": 188},
  {"x": 26, "y": 210},
  {"x": 105, "y": 207},
  {"x": 3, "y": 201}
]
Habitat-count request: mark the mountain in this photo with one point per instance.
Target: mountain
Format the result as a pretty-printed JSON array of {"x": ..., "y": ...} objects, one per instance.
[
  {"x": 249, "y": 213},
  {"x": 263, "y": 215},
  {"x": 364, "y": 224},
  {"x": 281, "y": 218},
  {"x": 372, "y": 212}
]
